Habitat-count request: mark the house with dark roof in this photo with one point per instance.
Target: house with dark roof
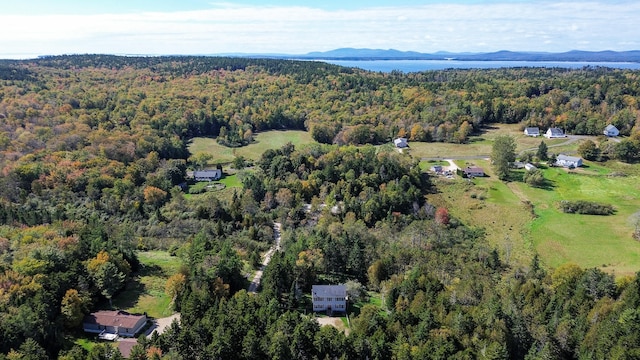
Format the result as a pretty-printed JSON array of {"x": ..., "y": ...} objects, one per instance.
[
  {"x": 554, "y": 133},
  {"x": 401, "y": 143},
  {"x": 114, "y": 322},
  {"x": 532, "y": 131},
  {"x": 473, "y": 171},
  {"x": 611, "y": 130},
  {"x": 568, "y": 161}
]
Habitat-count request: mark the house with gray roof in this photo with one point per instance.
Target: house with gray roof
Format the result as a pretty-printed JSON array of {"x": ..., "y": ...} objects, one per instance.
[
  {"x": 554, "y": 133},
  {"x": 611, "y": 131},
  {"x": 568, "y": 161},
  {"x": 532, "y": 131}
]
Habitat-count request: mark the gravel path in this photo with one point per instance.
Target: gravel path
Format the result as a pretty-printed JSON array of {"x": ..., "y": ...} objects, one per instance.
[
  {"x": 161, "y": 324},
  {"x": 255, "y": 283}
]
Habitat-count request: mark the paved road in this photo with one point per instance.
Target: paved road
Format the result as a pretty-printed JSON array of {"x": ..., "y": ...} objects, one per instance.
[{"x": 255, "y": 283}]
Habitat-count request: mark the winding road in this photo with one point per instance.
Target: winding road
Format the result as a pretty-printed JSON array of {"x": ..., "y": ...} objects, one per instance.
[{"x": 255, "y": 283}]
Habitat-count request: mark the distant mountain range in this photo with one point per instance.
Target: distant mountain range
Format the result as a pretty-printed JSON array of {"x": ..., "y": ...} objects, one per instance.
[{"x": 391, "y": 54}]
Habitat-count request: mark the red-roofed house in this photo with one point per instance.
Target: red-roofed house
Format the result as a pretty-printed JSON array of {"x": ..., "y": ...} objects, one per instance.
[{"x": 114, "y": 322}]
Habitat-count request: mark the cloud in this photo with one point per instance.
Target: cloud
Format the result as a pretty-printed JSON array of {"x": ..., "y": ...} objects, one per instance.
[{"x": 225, "y": 27}]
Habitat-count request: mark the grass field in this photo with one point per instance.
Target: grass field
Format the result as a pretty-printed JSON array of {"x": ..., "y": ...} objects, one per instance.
[
  {"x": 145, "y": 293},
  {"x": 481, "y": 144},
  {"x": 588, "y": 240},
  {"x": 262, "y": 142},
  {"x": 518, "y": 229}
]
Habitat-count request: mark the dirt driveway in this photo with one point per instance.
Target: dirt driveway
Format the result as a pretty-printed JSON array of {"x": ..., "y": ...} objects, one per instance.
[{"x": 161, "y": 324}]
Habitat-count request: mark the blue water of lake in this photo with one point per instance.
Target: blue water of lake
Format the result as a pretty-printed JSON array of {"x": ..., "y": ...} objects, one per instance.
[{"x": 408, "y": 66}]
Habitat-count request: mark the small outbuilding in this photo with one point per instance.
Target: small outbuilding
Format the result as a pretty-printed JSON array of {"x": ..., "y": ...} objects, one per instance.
[
  {"x": 532, "y": 131},
  {"x": 401, "y": 143},
  {"x": 554, "y": 133},
  {"x": 611, "y": 130},
  {"x": 437, "y": 169},
  {"x": 568, "y": 161},
  {"x": 529, "y": 167}
]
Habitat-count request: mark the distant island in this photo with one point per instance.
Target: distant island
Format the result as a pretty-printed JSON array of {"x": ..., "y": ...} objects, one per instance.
[{"x": 391, "y": 54}]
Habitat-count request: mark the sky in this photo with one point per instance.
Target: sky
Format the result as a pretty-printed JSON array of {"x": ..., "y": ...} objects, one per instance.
[{"x": 197, "y": 27}]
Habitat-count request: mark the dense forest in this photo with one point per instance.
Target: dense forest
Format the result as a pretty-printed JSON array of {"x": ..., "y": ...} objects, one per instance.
[{"x": 94, "y": 157}]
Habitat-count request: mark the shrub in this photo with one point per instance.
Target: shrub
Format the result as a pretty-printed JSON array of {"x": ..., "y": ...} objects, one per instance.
[{"x": 586, "y": 207}]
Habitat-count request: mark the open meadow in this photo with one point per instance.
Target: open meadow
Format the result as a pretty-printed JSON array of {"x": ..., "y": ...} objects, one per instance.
[
  {"x": 520, "y": 220},
  {"x": 480, "y": 145},
  {"x": 262, "y": 142},
  {"x": 145, "y": 292}
]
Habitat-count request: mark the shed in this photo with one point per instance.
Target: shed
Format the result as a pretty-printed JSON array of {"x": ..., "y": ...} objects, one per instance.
[{"x": 532, "y": 131}]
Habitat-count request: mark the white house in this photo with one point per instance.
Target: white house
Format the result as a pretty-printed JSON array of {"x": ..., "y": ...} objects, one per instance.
[
  {"x": 529, "y": 167},
  {"x": 568, "y": 161},
  {"x": 532, "y": 131},
  {"x": 554, "y": 133},
  {"x": 401, "y": 143},
  {"x": 207, "y": 175},
  {"x": 114, "y": 322},
  {"x": 436, "y": 169},
  {"x": 611, "y": 130},
  {"x": 329, "y": 298}
]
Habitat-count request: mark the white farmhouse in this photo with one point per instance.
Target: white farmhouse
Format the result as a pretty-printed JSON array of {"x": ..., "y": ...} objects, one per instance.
[
  {"x": 568, "y": 161},
  {"x": 554, "y": 133},
  {"x": 532, "y": 131},
  {"x": 207, "y": 175},
  {"x": 329, "y": 298}
]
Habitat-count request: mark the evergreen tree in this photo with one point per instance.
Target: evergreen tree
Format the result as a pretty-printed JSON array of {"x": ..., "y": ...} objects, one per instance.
[
  {"x": 542, "y": 151},
  {"x": 503, "y": 153}
]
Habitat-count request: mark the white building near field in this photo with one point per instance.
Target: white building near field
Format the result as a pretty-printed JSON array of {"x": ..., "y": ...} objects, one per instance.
[
  {"x": 329, "y": 298},
  {"x": 207, "y": 175}
]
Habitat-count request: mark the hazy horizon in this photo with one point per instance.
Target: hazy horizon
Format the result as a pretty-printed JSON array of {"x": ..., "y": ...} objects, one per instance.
[{"x": 198, "y": 27}]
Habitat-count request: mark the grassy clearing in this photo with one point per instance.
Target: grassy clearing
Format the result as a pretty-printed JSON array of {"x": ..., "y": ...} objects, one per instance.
[
  {"x": 481, "y": 144},
  {"x": 489, "y": 204},
  {"x": 145, "y": 293},
  {"x": 518, "y": 229},
  {"x": 262, "y": 142},
  {"x": 588, "y": 240}
]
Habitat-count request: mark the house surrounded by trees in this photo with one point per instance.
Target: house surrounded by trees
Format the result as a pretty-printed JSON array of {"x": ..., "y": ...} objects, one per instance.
[
  {"x": 611, "y": 130},
  {"x": 207, "y": 175},
  {"x": 114, "y": 322},
  {"x": 329, "y": 298}
]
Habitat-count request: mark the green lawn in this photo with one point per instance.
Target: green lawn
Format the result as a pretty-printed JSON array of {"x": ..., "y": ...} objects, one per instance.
[
  {"x": 481, "y": 144},
  {"x": 262, "y": 142},
  {"x": 145, "y": 293},
  {"x": 588, "y": 240}
]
